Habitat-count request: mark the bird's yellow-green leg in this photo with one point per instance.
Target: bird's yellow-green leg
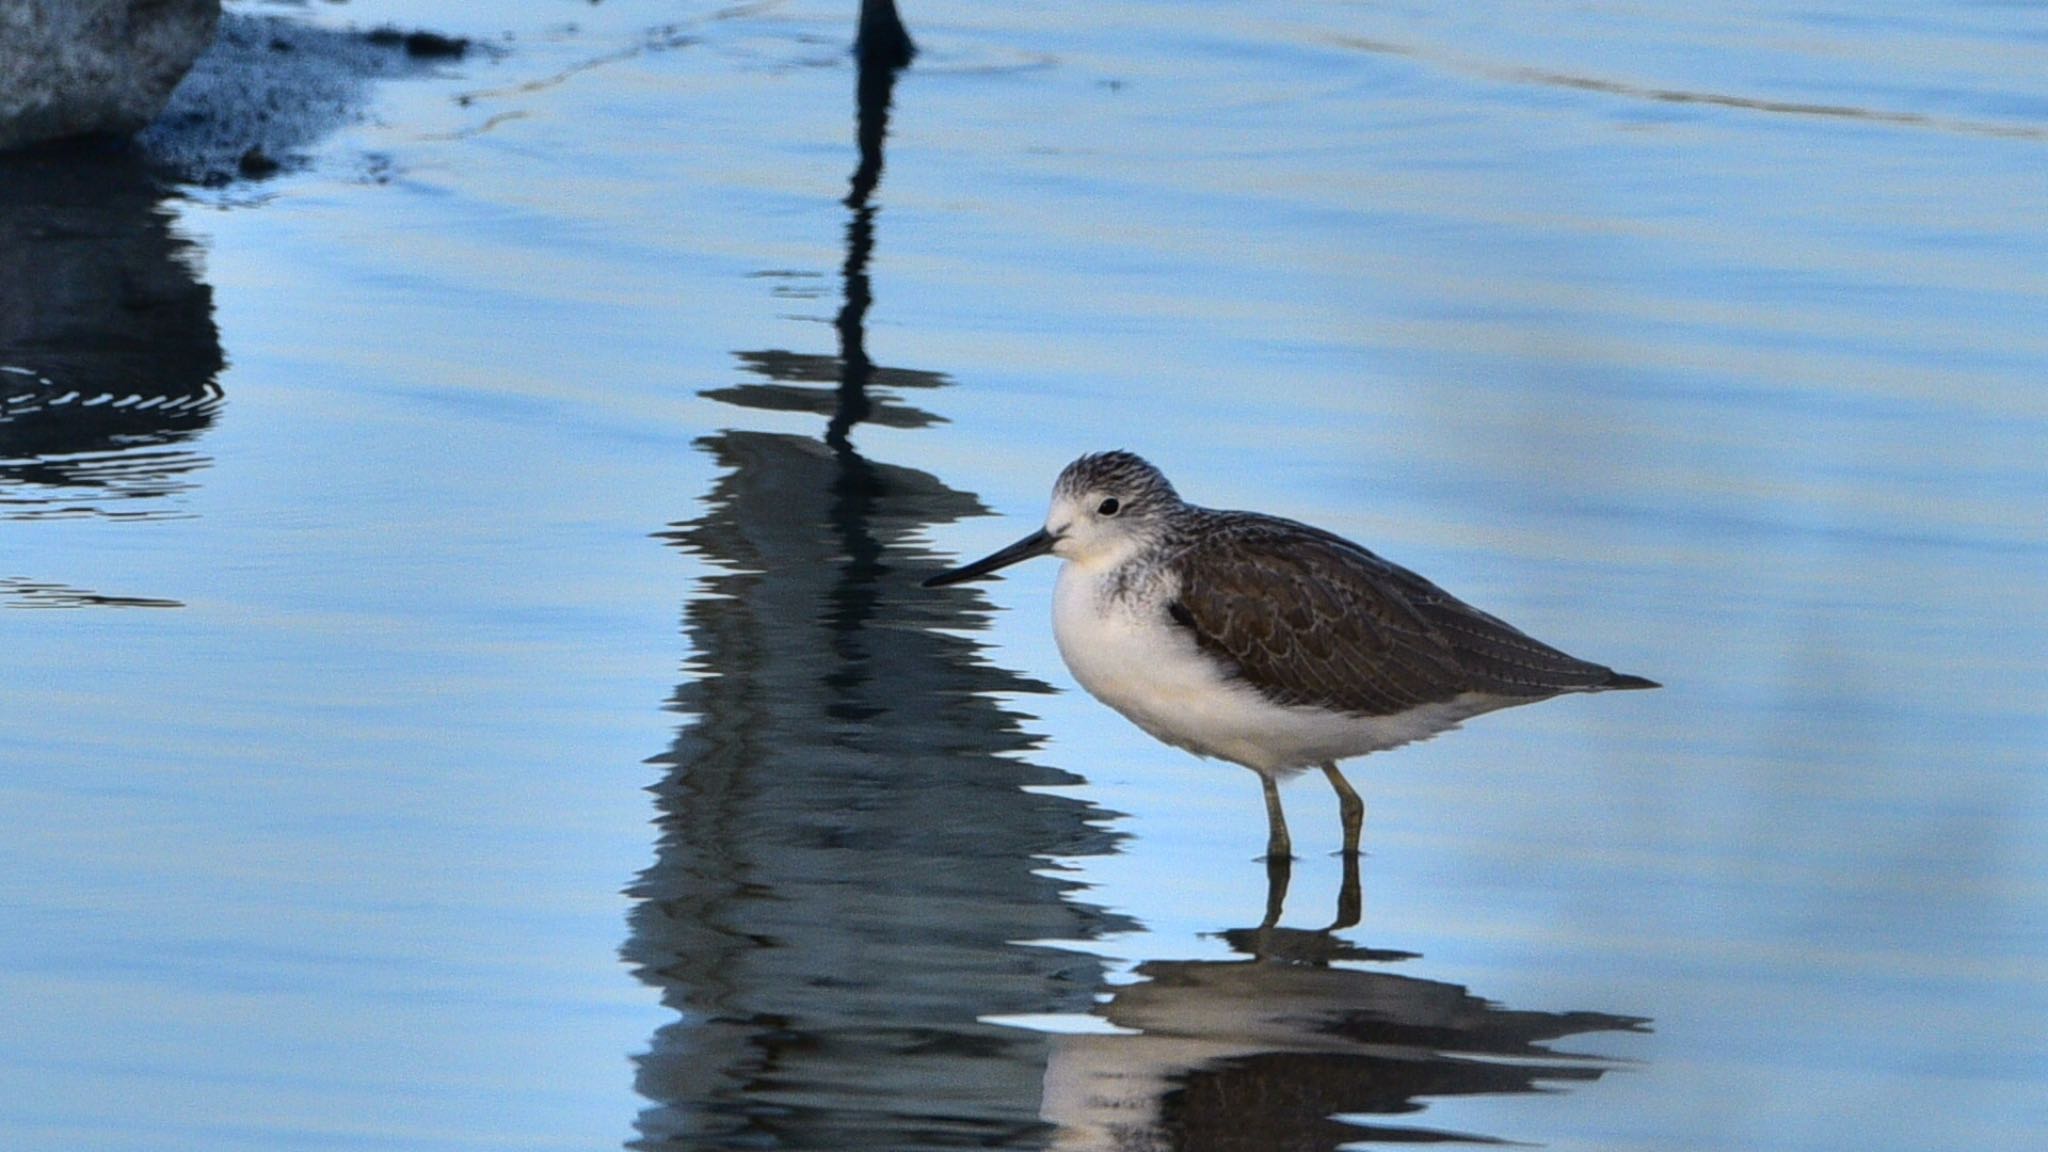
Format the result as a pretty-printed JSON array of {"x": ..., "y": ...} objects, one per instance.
[
  {"x": 1348, "y": 804},
  {"x": 1278, "y": 845}
]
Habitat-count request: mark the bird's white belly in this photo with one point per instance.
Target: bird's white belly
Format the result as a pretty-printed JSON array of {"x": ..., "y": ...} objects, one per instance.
[{"x": 1130, "y": 655}]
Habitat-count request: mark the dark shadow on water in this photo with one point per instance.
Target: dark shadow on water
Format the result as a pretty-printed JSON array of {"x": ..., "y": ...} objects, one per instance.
[
  {"x": 1264, "y": 1052},
  {"x": 108, "y": 350},
  {"x": 850, "y": 845},
  {"x": 847, "y": 848}
]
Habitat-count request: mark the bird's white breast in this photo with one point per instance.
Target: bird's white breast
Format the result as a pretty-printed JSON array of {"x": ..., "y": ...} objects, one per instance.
[{"x": 1128, "y": 653}]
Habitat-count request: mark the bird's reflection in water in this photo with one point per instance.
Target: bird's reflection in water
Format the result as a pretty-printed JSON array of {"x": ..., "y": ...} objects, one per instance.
[
  {"x": 849, "y": 844},
  {"x": 1266, "y": 1052},
  {"x": 108, "y": 349}
]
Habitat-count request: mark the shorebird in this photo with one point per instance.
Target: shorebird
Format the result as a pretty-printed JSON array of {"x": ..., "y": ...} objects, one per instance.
[{"x": 1264, "y": 641}]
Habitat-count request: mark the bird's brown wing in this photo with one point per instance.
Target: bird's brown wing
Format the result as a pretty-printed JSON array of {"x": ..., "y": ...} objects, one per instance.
[{"x": 1310, "y": 618}]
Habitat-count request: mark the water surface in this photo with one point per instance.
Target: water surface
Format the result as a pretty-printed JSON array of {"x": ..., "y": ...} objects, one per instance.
[{"x": 476, "y": 692}]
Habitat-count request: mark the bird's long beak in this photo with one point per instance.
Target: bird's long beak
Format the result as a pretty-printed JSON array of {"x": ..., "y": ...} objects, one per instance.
[{"x": 1037, "y": 544}]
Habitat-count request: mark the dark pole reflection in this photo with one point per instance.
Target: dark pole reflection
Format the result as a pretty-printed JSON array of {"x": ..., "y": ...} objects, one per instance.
[
  {"x": 850, "y": 846},
  {"x": 847, "y": 849},
  {"x": 881, "y": 50},
  {"x": 108, "y": 350},
  {"x": 1264, "y": 1052}
]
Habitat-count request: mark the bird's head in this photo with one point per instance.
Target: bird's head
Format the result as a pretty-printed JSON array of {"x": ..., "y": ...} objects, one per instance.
[{"x": 1105, "y": 506}]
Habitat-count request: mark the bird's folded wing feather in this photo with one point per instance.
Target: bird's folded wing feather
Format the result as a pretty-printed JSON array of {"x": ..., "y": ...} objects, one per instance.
[
  {"x": 1312, "y": 622},
  {"x": 1313, "y": 619}
]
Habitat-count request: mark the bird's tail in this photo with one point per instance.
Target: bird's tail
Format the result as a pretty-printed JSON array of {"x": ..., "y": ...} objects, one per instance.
[{"x": 1622, "y": 680}]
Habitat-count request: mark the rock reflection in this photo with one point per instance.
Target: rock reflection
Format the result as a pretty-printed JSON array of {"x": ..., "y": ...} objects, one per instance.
[
  {"x": 108, "y": 350},
  {"x": 1266, "y": 1052}
]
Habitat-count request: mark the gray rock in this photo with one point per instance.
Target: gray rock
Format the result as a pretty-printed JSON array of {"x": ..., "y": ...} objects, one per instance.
[
  {"x": 85, "y": 67},
  {"x": 269, "y": 87}
]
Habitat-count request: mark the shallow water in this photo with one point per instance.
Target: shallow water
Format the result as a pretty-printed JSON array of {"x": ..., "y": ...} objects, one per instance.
[{"x": 486, "y": 701}]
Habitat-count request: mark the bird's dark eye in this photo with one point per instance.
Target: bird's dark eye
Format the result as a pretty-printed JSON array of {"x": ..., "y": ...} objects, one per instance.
[{"x": 1108, "y": 507}]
